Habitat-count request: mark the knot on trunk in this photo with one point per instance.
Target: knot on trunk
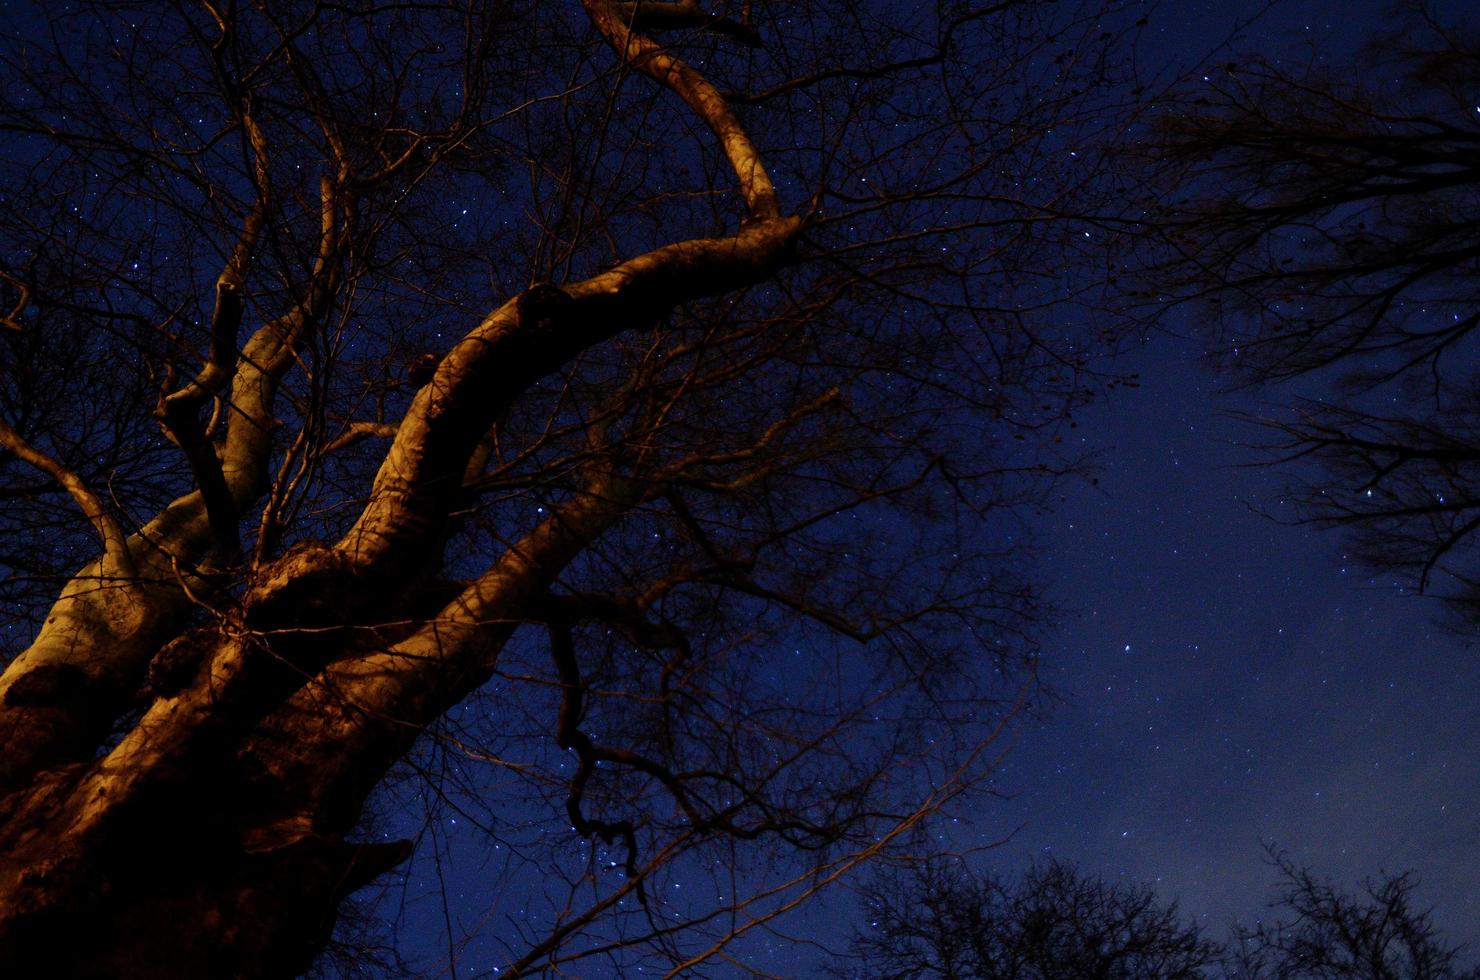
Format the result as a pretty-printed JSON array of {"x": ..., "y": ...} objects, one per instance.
[
  {"x": 176, "y": 664},
  {"x": 543, "y": 306},
  {"x": 312, "y": 585}
]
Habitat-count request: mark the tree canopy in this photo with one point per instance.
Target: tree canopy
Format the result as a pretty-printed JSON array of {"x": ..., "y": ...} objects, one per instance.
[
  {"x": 1053, "y": 922},
  {"x": 618, "y": 414},
  {"x": 1325, "y": 216}
]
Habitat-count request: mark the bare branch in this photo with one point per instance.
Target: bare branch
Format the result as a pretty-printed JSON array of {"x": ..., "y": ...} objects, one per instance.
[
  {"x": 654, "y": 61},
  {"x": 117, "y": 560}
]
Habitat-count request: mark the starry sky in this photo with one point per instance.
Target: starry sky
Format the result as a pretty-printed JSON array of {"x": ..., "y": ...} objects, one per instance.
[
  {"x": 1227, "y": 682},
  {"x": 1231, "y": 681}
]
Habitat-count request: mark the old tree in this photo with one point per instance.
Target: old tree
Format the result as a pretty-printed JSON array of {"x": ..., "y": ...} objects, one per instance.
[{"x": 613, "y": 413}]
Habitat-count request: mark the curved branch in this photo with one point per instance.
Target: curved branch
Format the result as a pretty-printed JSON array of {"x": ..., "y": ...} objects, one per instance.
[
  {"x": 568, "y": 735},
  {"x": 521, "y": 342},
  {"x": 11, "y": 320},
  {"x": 649, "y": 57},
  {"x": 357, "y": 432},
  {"x": 179, "y": 411},
  {"x": 116, "y": 557},
  {"x": 360, "y": 714}
]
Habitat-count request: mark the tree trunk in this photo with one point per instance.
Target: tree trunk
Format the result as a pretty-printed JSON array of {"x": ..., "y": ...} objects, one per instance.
[
  {"x": 175, "y": 854},
  {"x": 209, "y": 840}
]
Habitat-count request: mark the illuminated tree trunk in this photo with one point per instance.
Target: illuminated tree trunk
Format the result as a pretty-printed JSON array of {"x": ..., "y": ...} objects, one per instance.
[{"x": 265, "y": 734}]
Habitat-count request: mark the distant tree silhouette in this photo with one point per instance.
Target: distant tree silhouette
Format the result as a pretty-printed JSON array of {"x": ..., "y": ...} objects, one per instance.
[
  {"x": 1326, "y": 218},
  {"x": 1323, "y": 933},
  {"x": 1052, "y": 923},
  {"x": 938, "y": 919}
]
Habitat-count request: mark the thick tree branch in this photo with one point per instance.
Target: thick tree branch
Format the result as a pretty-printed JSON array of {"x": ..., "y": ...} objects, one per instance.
[
  {"x": 360, "y": 714},
  {"x": 103, "y": 644},
  {"x": 179, "y": 415},
  {"x": 521, "y": 342}
]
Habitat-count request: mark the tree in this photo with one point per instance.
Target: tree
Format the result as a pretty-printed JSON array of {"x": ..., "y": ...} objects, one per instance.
[
  {"x": 1052, "y": 923},
  {"x": 938, "y": 919},
  {"x": 1328, "y": 934},
  {"x": 614, "y": 412},
  {"x": 1325, "y": 217}
]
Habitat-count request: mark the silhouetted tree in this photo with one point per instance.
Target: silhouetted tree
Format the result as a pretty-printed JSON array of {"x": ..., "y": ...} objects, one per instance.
[
  {"x": 1323, "y": 933},
  {"x": 938, "y": 919},
  {"x": 1327, "y": 216},
  {"x": 613, "y": 412},
  {"x": 1052, "y": 923}
]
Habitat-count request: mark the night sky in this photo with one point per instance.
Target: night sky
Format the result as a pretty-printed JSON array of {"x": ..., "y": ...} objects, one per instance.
[
  {"x": 1233, "y": 681},
  {"x": 1227, "y": 682}
]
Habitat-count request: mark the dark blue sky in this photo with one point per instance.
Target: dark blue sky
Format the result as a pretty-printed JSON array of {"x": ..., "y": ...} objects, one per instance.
[
  {"x": 1231, "y": 681},
  {"x": 1228, "y": 682}
]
